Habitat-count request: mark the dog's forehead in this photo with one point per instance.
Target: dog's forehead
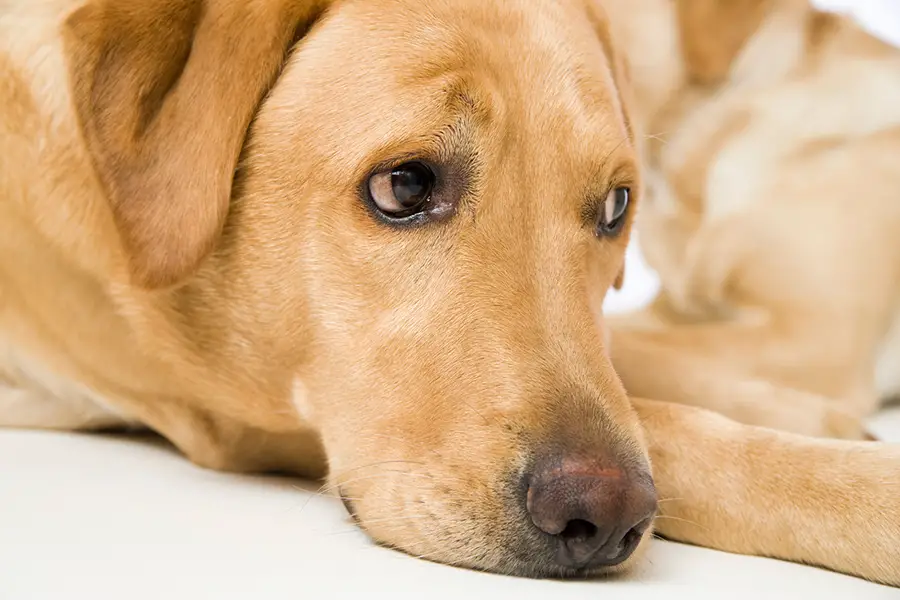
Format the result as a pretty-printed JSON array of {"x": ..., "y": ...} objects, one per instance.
[
  {"x": 534, "y": 74},
  {"x": 514, "y": 42}
]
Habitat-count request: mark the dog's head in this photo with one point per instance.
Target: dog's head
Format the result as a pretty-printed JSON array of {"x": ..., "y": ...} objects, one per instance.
[{"x": 431, "y": 199}]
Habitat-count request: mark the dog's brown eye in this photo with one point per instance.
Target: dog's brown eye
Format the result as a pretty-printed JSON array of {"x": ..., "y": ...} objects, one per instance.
[
  {"x": 613, "y": 212},
  {"x": 402, "y": 191}
]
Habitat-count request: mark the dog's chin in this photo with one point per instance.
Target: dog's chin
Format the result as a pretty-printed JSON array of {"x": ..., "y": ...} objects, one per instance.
[
  {"x": 538, "y": 567},
  {"x": 523, "y": 555},
  {"x": 541, "y": 565},
  {"x": 515, "y": 523}
]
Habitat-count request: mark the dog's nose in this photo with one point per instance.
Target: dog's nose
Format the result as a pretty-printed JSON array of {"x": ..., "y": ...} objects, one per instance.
[{"x": 596, "y": 514}]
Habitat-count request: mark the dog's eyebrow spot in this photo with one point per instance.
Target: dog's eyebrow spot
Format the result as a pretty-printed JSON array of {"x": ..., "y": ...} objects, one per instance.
[
  {"x": 475, "y": 98},
  {"x": 466, "y": 104}
]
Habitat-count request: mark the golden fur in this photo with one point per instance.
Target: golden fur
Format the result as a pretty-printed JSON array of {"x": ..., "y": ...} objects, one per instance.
[
  {"x": 772, "y": 212},
  {"x": 185, "y": 248}
]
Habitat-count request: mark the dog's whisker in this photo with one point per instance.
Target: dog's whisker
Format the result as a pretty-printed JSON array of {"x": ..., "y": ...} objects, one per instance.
[
  {"x": 430, "y": 452},
  {"x": 377, "y": 464},
  {"x": 326, "y": 490},
  {"x": 609, "y": 154},
  {"x": 398, "y": 520},
  {"x": 347, "y": 531},
  {"x": 428, "y": 555},
  {"x": 448, "y": 550},
  {"x": 400, "y": 440},
  {"x": 384, "y": 473},
  {"x": 308, "y": 500},
  {"x": 660, "y": 137},
  {"x": 476, "y": 411},
  {"x": 688, "y": 521},
  {"x": 339, "y": 480}
]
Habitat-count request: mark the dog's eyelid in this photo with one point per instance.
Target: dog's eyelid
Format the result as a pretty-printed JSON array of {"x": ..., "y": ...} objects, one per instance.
[
  {"x": 426, "y": 158},
  {"x": 595, "y": 198},
  {"x": 451, "y": 188}
]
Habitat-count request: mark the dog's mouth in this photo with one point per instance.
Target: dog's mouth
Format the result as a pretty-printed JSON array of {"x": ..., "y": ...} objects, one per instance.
[{"x": 565, "y": 518}]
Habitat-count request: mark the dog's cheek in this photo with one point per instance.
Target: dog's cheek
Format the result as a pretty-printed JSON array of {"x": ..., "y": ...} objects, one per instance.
[{"x": 425, "y": 496}]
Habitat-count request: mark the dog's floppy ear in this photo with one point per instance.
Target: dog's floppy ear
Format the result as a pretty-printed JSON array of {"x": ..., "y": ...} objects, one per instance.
[
  {"x": 164, "y": 91},
  {"x": 713, "y": 32}
]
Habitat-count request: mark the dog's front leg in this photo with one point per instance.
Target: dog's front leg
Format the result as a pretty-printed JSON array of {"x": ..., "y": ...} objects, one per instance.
[{"x": 750, "y": 490}]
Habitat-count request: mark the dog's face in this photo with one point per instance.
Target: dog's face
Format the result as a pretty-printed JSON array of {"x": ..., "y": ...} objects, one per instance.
[{"x": 432, "y": 200}]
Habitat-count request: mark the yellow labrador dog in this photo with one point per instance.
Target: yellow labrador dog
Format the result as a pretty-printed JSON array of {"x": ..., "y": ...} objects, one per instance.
[
  {"x": 772, "y": 208},
  {"x": 373, "y": 238}
]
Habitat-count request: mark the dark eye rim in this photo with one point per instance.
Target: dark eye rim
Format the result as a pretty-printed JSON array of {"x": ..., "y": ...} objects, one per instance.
[
  {"x": 602, "y": 230},
  {"x": 414, "y": 216}
]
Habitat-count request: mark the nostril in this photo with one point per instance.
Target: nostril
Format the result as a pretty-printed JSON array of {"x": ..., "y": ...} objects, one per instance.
[
  {"x": 578, "y": 530},
  {"x": 625, "y": 547}
]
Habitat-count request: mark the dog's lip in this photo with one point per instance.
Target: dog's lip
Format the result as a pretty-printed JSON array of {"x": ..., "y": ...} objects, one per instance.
[
  {"x": 529, "y": 560},
  {"x": 550, "y": 570},
  {"x": 525, "y": 568}
]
